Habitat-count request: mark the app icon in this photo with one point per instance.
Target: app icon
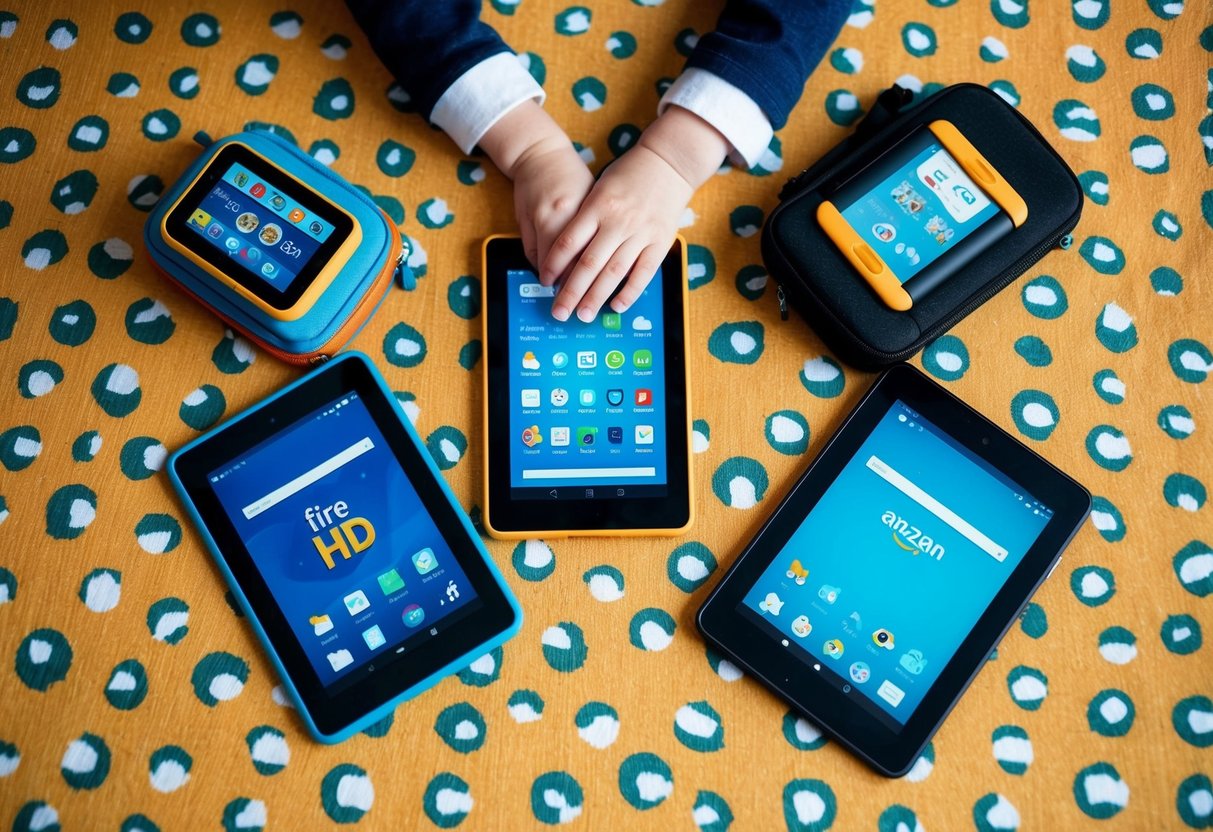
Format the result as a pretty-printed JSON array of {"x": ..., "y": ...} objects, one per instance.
[
  {"x": 296, "y": 215},
  {"x": 452, "y": 591},
  {"x": 913, "y": 662},
  {"x": 356, "y": 602},
  {"x": 644, "y": 397},
  {"x": 854, "y": 620},
  {"x": 560, "y": 360},
  {"x": 531, "y": 436},
  {"x": 390, "y": 581},
  {"x": 315, "y": 227},
  {"x": 270, "y": 234},
  {"x": 269, "y": 269},
  {"x": 342, "y": 658},
  {"x": 201, "y": 218},
  {"x": 587, "y": 360},
  {"x": 798, "y": 573},
  {"x": 559, "y": 397},
  {"x": 232, "y": 244},
  {"x": 860, "y": 672},
  {"x": 530, "y": 397},
  {"x": 321, "y": 624},
  {"x": 252, "y": 254},
  {"x": 642, "y": 324},
  {"x": 890, "y": 693},
  {"x": 529, "y": 361},
  {"x": 642, "y": 359},
  {"x": 257, "y": 190},
  {"x": 425, "y": 561},
  {"x": 241, "y": 179},
  {"x": 412, "y": 615},
  {"x": 644, "y": 434},
  {"x": 614, "y": 397},
  {"x": 801, "y": 626},
  {"x": 834, "y": 648},
  {"x": 615, "y": 435},
  {"x": 611, "y": 320},
  {"x": 560, "y": 437},
  {"x": 828, "y": 593},
  {"x": 614, "y": 360},
  {"x": 374, "y": 637},
  {"x": 215, "y": 230},
  {"x": 277, "y": 202},
  {"x": 772, "y": 604},
  {"x": 247, "y": 222},
  {"x": 585, "y": 436},
  {"x": 883, "y": 638},
  {"x": 587, "y": 397},
  {"x": 884, "y": 232}
]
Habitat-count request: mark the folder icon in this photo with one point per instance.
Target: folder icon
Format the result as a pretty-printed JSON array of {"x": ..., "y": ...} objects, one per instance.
[{"x": 321, "y": 624}]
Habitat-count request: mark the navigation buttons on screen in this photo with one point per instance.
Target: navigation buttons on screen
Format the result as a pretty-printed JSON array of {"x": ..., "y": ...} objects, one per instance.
[
  {"x": 530, "y": 397},
  {"x": 890, "y": 693},
  {"x": 356, "y": 602},
  {"x": 374, "y": 637}
]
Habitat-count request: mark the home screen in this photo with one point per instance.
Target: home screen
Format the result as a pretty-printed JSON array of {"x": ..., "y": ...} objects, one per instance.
[
  {"x": 895, "y": 564},
  {"x": 587, "y": 400},
  {"x": 922, "y": 209},
  {"x": 260, "y": 228},
  {"x": 340, "y": 535}
]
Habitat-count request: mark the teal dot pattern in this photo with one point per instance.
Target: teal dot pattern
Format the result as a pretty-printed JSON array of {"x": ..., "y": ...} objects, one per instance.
[{"x": 1095, "y": 357}]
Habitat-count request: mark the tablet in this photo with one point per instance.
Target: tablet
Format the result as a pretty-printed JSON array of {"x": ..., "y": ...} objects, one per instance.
[
  {"x": 893, "y": 567},
  {"x": 587, "y": 424},
  {"x": 362, "y": 577},
  {"x": 261, "y": 232},
  {"x": 918, "y": 213}
]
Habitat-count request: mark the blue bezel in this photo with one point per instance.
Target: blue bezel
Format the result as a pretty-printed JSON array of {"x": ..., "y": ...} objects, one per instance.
[{"x": 456, "y": 664}]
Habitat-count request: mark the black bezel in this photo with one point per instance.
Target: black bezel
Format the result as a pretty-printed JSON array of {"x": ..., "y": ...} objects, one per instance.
[
  {"x": 175, "y": 225},
  {"x": 512, "y": 515},
  {"x": 846, "y": 191},
  {"x": 331, "y": 710},
  {"x": 817, "y": 693}
]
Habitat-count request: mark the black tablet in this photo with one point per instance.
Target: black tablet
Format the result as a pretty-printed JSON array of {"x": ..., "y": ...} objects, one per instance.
[
  {"x": 342, "y": 543},
  {"x": 587, "y": 424},
  {"x": 882, "y": 582}
]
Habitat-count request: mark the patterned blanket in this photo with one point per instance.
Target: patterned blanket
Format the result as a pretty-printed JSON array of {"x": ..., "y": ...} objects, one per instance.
[{"x": 134, "y": 698}]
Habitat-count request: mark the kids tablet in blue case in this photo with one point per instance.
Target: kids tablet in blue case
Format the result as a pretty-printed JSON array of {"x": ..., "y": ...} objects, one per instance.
[
  {"x": 277, "y": 245},
  {"x": 359, "y": 572}
]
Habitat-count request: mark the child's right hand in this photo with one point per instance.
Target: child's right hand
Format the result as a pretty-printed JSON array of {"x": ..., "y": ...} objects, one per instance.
[{"x": 550, "y": 179}]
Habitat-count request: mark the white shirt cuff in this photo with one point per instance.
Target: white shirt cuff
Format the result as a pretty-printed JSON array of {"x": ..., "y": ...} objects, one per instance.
[
  {"x": 724, "y": 106},
  {"x": 481, "y": 96}
]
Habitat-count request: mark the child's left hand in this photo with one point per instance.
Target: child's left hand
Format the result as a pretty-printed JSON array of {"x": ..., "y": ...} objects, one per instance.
[{"x": 625, "y": 226}]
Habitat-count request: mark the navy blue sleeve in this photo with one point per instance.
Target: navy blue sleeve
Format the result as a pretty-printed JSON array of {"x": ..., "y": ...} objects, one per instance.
[
  {"x": 427, "y": 44},
  {"x": 768, "y": 48}
]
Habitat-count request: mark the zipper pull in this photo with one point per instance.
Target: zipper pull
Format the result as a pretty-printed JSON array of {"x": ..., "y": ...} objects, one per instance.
[
  {"x": 783, "y": 301},
  {"x": 1065, "y": 242}
]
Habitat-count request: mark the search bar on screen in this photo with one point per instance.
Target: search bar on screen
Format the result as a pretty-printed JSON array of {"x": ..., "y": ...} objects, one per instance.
[
  {"x": 958, "y": 523},
  {"x": 305, "y": 479},
  {"x": 536, "y": 290}
]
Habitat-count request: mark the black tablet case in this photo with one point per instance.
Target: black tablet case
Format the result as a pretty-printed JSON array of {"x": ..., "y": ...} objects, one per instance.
[{"x": 814, "y": 278}]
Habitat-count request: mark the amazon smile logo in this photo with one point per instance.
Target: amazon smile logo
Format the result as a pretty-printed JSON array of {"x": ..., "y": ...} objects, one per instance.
[{"x": 910, "y": 538}]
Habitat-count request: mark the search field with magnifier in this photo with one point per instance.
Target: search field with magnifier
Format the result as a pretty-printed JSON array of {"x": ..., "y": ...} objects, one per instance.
[{"x": 970, "y": 533}]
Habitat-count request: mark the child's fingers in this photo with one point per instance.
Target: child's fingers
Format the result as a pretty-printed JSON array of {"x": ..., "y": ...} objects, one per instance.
[
  {"x": 567, "y": 246},
  {"x": 590, "y": 264},
  {"x": 611, "y": 276},
  {"x": 642, "y": 273}
]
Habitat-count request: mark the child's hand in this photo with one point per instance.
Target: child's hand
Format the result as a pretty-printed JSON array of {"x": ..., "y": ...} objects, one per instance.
[
  {"x": 550, "y": 179},
  {"x": 625, "y": 226}
]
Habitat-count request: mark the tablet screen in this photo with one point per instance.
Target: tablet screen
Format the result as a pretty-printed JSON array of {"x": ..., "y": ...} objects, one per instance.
[
  {"x": 353, "y": 560},
  {"x": 588, "y": 401},
  {"x": 891, "y": 569},
  {"x": 914, "y": 204}
]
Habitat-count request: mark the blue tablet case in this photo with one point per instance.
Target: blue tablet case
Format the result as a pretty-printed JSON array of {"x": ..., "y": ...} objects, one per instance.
[{"x": 455, "y": 665}]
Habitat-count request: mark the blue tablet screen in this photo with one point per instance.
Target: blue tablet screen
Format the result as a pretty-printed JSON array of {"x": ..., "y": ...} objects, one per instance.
[
  {"x": 894, "y": 565},
  {"x": 259, "y": 227},
  {"x": 919, "y": 210},
  {"x": 587, "y": 400},
  {"x": 342, "y": 539}
]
